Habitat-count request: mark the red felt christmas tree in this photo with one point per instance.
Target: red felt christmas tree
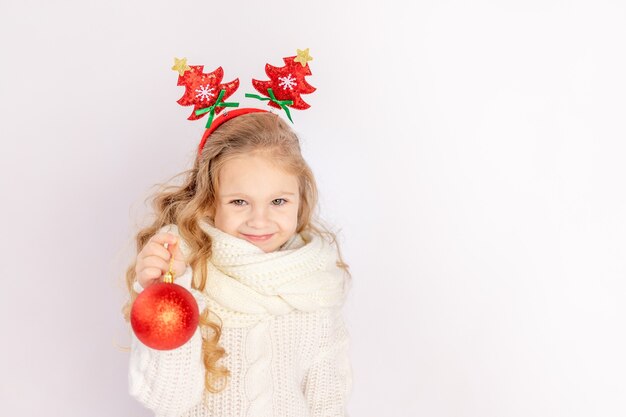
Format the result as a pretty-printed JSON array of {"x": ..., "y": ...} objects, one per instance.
[
  {"x": 202, "y": 90},
  {"x": 287, "y": 83}
]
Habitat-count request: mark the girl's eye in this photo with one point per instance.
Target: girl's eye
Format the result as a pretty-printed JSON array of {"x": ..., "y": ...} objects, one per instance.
[
  {"x": 276, "y": 202},
  {"x": 279, "y": 199}
]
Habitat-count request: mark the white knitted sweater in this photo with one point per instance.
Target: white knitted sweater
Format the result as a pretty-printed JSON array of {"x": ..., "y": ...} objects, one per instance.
[{"x": 283, "y": 332}]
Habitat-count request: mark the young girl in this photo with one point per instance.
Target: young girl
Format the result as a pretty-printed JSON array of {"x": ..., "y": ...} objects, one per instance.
[{"x": 268, "y": 278}]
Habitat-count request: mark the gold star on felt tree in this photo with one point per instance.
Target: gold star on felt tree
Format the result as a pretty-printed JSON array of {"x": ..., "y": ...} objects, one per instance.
[
  {"x": 303, "y": 57},
  {"x": 180, "y": 65}
]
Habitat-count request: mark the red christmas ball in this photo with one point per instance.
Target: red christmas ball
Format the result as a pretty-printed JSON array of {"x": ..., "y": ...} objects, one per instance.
[{"x": 164, "y": 316}]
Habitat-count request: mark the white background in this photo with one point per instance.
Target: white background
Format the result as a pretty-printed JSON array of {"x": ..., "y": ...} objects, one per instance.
[{"x": 472, "y": 154}]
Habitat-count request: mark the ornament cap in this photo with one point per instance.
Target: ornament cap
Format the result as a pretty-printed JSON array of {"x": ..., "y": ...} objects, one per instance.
[{"x": 168, "y": 278}]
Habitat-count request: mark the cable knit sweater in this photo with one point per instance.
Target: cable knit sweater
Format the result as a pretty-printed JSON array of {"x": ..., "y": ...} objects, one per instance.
[{"x": 283, "y": 332}]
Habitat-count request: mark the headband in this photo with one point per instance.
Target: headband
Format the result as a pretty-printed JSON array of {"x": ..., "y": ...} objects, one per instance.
[{"x": 208, "y": 95}]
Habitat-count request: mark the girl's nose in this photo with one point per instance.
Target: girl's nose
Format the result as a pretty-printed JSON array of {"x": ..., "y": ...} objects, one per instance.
[{"x": 258, "y": 217}]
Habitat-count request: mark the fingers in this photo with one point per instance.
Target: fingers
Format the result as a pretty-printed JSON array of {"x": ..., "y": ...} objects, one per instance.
[
  {"x": 154, "y": 259},
  {"x": 149, "y": 276},
  {"x": 155, "y": 262},
  {"x": 164, "y": 237},
  {"x": 156, "y": 246}
]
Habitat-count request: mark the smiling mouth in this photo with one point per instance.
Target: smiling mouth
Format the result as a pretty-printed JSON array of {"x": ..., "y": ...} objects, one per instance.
[{"x": 258, "y": 237}]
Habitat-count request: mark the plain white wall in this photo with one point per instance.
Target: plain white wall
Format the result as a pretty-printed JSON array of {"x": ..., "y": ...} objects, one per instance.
[{"x": 471, "y": 152}]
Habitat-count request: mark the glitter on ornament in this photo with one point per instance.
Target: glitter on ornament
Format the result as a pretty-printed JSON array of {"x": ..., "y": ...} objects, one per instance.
[
  {"x": 288, "y": 82},
  {"x": 165, "y": 315},
  {"x": 195, "y": 80}
]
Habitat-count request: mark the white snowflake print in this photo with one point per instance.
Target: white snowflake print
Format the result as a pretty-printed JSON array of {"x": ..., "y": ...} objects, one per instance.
[
  {"x": 287, "y": 82},
  {"x": 204, "y": 92}
]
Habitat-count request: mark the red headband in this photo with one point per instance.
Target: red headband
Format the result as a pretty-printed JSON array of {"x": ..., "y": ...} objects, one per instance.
[
  {"x": 205, "y": 92},
  {"x": 222, "y": 118}
]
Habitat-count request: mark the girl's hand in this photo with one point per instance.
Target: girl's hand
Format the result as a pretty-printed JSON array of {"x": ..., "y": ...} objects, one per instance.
[{"x": 154, "y": 259}]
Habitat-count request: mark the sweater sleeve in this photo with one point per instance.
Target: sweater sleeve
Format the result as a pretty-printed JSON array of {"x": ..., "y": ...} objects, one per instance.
[
  {"x": 168, "y": 382},
  {"x": 328, "y": 382}
]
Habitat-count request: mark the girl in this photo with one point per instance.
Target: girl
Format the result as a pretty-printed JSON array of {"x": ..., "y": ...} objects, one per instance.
[{"x": 270, "y": 283}]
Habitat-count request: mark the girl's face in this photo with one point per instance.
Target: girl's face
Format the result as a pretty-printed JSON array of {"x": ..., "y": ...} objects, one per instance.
[{"x": 257, "y": 202}]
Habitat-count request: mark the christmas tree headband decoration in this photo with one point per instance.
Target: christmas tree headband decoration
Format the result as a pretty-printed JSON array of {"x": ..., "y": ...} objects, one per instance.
[{"x": 209, "y": 96}]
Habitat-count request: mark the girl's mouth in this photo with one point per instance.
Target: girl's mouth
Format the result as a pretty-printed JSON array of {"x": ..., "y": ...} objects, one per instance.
[{"x": 258, "y": 238}]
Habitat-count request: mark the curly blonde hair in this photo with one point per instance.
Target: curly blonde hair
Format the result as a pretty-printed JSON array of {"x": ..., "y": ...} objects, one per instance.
[{"x": 185, "y": 205}]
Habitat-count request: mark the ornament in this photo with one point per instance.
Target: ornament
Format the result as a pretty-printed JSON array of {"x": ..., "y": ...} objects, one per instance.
[
  {"x": 287, "y": 83},
  {"x": 208, "y": 95},
  {"x": 165, "y": 315},
  {"x": 204, "y": 90}
]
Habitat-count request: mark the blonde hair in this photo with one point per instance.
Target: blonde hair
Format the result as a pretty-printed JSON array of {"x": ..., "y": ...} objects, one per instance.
[{"x": 185, "y": 205}]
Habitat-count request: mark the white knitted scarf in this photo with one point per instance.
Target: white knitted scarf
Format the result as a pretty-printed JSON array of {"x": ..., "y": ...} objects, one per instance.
[{"x": 245, "y": 285}]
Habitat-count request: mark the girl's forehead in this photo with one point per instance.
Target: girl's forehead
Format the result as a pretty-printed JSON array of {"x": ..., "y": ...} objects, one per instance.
[
  {"x": 255, "y": 173},
  {"x": 253, "y": 166}
]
